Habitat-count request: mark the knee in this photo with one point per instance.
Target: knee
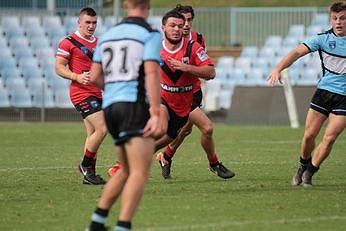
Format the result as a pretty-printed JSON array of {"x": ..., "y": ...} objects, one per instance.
[
  {"x": 329, "y": 139},
  {"x": 207, "y": 129},
  {"x": 309, "y": 136},
  {"x": 102, "y": 130}
]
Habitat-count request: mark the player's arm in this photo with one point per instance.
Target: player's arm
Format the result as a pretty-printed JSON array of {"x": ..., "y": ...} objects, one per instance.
[
  {"x": 152, "y": 84},
  {"x": 61, "y": 69},
  {"x": 97, "y": 77},
  {"x": 204, "y": 71},
  {"x": 287, "y": 61}
]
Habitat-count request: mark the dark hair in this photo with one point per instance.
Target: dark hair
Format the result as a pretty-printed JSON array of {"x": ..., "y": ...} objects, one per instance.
[
  {"x": 88, "y": 11},
  {"x": 185, "y": 9},
  {"x": 338, "y": 7},
  {"x": 172, "y": 14}
]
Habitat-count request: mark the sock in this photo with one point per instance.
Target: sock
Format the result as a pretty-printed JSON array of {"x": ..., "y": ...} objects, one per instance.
[
  {"x": 304, "y": 163},
  {"x": 313, "y": 169},
  {"x": 168, "y": 151},
  {"x": 88, "y": 158},
  {"x": 99, "y": 218},
  {"x": 123, "y": 226},
  {"x": 213, "y": 160}
]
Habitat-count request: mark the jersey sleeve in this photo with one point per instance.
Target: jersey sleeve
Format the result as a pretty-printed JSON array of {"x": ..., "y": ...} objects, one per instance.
[
  {"x": 97, "y": 53},
  {"x": 152, "y": 47},
  {"x": 200, "y": 56},
  {"x": 313, "y": 43},
  {"x": 64, "y": 48}
]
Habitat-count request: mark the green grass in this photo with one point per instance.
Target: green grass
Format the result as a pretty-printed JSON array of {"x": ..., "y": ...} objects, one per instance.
[{"x": 41, "y": 189}]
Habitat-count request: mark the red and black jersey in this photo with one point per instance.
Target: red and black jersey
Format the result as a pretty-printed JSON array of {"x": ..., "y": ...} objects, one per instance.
[
  {"x": 177, "y": 86},
  {"x": 79, "y": 62}
]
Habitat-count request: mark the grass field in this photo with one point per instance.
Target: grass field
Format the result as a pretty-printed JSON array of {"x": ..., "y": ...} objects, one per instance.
[{"x": 40, "y": 188}]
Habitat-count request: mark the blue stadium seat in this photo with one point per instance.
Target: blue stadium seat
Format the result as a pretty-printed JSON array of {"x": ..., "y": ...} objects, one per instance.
[
  {"x": 155, "y": 22},
  {"x": 4, "y": 98},
  {"x": 321, "y": 19},
  {"x": 21, "y": 99},
  {"x": 7, "y": 62},
  {"x": 51, "y": 21},
  {"x": 237, "y": 76},
  {"x": 274, "y": 41},
  {"x": 243, "y": 63},
  {"x": 34, "y": 32},
  {"x": 109, "y": 21},
  {"x": 43, "y": 99},
  {"x": 62, "y": 99},
  {"x": 9, "y": 72},
  {"x": 31, "y": 73},
  {"x": 53, "y": 32},
  {"x": 8, "y": 21},
  {"x": 45, "y": 53},
  {"x": 249, "y": 52},
  {"x": 13, "y": 32},
  {"x": 15, "y": 84},
  {"x": 225, "y": 62},
  {"x": 70, "y": 23},
  {"x": 31, "y": 21},
  {"x": 38, "y": 42}
]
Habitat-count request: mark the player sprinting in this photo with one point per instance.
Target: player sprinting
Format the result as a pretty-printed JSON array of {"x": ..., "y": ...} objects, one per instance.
[
  {"x": 73, "y": 62},
  {"x": 329, "y": 100},
  {"x": 196, "y": 116}
]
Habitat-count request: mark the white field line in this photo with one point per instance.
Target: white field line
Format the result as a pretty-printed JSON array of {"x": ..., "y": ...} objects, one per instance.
[{"x": 244, "y": 223}]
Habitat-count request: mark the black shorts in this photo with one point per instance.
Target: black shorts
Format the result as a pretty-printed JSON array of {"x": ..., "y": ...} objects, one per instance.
[
  {"x": 89, "y": 106},
  {"x": 175, "y": 122},
  {"x": 327, "y": 102},
  {"x": 126, "y": 120},
  {"x": 197, "y": 99}
]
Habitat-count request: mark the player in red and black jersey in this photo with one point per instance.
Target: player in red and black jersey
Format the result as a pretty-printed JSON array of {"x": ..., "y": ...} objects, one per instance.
[
  {"x": 73, "y": 62},
  {"x": 197, "y": 116}
]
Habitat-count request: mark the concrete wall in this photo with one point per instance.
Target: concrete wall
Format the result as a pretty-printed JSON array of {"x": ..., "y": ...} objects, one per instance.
[{"x": 267, "y": 105}]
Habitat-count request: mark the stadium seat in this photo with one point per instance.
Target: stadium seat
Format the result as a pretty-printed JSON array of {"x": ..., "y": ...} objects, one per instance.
[
  {"x": 38, "y": 42},
  {"x": 109, "y": 21},
  {"x": 70, "y": 23},
  {"x": 243, "y": 63},
  {"x": 313, "y": 30},
  {"x": 321, "y": 19},
  {"x": 21, "y": 98},
  {"x": 4, "y": 98},
  {"x": 51, "y": 21},
  {"x": 14, "y": 84},
  {"x": 225, "y": 62},
  {"x": 291, "y": 42},
  {"x": 225, "y": 99},
  {"x": 9, "y": 72},
  {"x": 273, "y": 41},
  {"x": 21, "y": 53},
  {"x": 45, "y": 53},
  {"x": 19, "y": 42},
  {"x": 297, "y": 30},
  {"x": 309, "y": 77},
  {"x": 37, "y": 85},
  {"x": 249, "y": 52},
  {"x": 267, "y": 52},
  {"x": 211, "y": 95},
  {"x": 262, "y": 63},
  {"x": 34, "y": 32},
  {"x": 56, "y": 32},
  {"x": 31, "y": 73},
  {"x": 27, "y": 63},
  {"x": 13, "y": 32},
  {"x": 237, "y": 76},
  {"x": 255, "y": 77},
  {"x": 155, "y": 22},
  {"x": 10, "y": 21},
  {"x": 7, "y": 62},
  {"x": 39, "y": 101},
  {"x": 31, "y": 22},
  {"x": 62, "y": 99}
]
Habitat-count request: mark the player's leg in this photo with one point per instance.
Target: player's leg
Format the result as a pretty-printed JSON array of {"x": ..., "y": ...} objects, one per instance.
[
  {"x": 139, "y": 156},
  {"x": 313, "y": 123},
  {"x": 111, "y": 192},
  {"x": 96, "y": 129},
  {"x": 184, "y": 132},
  {"x": 336, "y": 125},
  {"x": 204, "y": 124}
]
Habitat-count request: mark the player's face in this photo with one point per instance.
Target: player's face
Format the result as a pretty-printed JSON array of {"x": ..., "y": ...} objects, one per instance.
[
  {"x": 87, "y": 25},
  {"x": 338, "y": 21},
  {"x": 173, "y": 30},
  {"x": 188, "y": 24}
]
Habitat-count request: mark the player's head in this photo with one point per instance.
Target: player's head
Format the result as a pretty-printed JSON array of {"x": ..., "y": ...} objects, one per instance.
[
  {"x": 133, "y": 4},
  {"x": 172, "y": 26},
  {"x": 87, "y": 21},
  {"x": 338, "y": 18},
  {"x": 189, "y": 15}
]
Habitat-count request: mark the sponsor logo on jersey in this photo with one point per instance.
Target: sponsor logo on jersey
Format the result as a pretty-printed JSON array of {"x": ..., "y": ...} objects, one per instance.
[
  {"x": 202, "y": 55},
  {"x": 185, "y": 60},
  {"x": 84, "y": 49},
  {"x": 176, "y": 89}
]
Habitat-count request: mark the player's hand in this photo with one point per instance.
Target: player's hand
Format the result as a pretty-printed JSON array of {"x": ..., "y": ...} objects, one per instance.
[
  {"x": 84, "y": 78},
  {"x": 177, "y": 64},
  {"x": 153, "y": 127},
  {"x": 274, "y": 77}
]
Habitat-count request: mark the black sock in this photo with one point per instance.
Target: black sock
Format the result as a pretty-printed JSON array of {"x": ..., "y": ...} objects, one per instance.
[
  {"x": 304, "y": 162},
  {"x": 87, "y": 161},
  {"x": 313, "y": 169},
  {"x": 125, "y": 224},
  {"x": 101, "y": 216},
  {"x": 168, "y": 158}
]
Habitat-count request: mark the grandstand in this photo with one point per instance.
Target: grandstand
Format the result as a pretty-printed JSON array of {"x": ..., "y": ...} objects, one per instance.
[{"x": 29, "y": 41}]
